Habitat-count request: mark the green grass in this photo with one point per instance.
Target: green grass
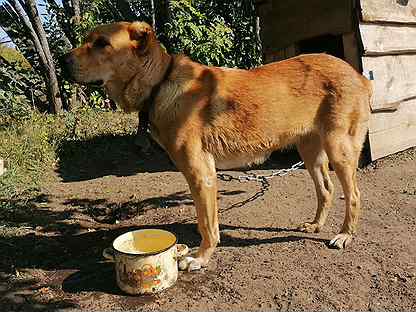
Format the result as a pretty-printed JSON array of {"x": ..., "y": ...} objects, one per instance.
[
  {"x": 32, "y": 145},
  {"x": 12, "y": 55}
]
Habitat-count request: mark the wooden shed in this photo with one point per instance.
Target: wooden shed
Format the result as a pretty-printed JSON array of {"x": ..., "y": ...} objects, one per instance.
[{"x": 377, "y": 37}]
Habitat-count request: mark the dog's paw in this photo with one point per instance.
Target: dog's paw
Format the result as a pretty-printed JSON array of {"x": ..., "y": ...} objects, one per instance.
[
  {"x": 341, "y": 241},
  {"x": 309, "y": 227},
  {"x": 190, "y": 264}
]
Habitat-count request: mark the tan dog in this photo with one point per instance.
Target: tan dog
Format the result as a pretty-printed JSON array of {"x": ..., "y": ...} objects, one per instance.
[{"x": 210, "y": 117}]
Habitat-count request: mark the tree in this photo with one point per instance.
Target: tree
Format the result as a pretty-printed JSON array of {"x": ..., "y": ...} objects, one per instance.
[
  {"x": 76, "y": 19},
  {"x": 31, "y": 20},
  {"x": 19, "y": 36},
  {"x": 66, "y": 17}
]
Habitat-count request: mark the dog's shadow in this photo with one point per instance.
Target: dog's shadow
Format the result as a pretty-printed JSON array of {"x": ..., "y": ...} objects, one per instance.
[
  {"x": 118, "y": 155},
  {"x": 107, "y": 155}
]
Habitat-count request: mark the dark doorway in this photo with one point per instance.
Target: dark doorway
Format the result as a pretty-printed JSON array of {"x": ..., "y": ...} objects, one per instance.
[{"x": 329, "y": 44}]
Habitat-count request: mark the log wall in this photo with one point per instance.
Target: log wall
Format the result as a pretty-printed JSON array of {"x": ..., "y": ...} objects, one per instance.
[{"x": 388, "y": 35}]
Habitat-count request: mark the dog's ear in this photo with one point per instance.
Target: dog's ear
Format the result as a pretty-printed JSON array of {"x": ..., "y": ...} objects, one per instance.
[{"x": 141, "y": 35}]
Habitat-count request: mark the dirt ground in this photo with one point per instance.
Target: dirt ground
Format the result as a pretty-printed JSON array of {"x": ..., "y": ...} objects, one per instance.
[{"x": 51, "y": 247}]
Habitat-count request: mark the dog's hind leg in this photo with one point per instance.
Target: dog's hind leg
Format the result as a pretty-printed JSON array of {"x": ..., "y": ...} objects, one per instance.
[
  {"x": 316, "y": 162},
  {"x": 343, "y": 150},
  {"x": 200, "y": 173}
]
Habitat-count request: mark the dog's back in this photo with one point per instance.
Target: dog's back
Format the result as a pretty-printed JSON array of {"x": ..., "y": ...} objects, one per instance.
[{"x": 275, "y": 105}]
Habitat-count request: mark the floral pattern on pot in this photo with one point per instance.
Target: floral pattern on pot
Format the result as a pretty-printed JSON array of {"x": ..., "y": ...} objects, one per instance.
[{"x": 147, "y": 278}]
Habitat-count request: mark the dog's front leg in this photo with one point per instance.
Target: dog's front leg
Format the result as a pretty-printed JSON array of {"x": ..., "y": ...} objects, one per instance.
[
  {"x": 200, "y": 173},
  {"x": 142, "y": 139}
]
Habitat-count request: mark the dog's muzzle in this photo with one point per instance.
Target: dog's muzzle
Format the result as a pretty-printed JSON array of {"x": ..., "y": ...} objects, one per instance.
[{"x": 66, "y": 63}]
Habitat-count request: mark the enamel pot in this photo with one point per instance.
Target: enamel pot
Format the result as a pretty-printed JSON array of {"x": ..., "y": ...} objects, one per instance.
[{"x": 145, "y": 260}]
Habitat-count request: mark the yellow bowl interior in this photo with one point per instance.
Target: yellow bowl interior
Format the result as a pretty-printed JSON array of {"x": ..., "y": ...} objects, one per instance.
[{"x": 144, "y": 241}]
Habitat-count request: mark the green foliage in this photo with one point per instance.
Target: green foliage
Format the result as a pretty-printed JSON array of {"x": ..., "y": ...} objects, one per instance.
[
  {"x": 96, "y": 12},
  {"x": 97, "y": 100},
  {"x": 241, "y": 16},
  {"x": 215, "y": 33},
  {"x": 9, "y": 21},
  {"x": 204, "y": 38},
  {"x": 57, "y": 40},
  {"x": 20, "y": 89},
  {"x": 142, "y": 9}
]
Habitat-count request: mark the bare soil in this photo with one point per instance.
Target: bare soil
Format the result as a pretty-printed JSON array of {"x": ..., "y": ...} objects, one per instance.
[{"x": 51, "y": 246}]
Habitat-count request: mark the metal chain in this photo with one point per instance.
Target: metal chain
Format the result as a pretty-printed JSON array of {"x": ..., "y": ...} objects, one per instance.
[
  {"x": 260, "y": 178},
  {"x": 263, "y": 179}
]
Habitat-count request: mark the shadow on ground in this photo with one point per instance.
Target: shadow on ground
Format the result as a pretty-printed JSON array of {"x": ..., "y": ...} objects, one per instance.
[
  {"x": 72, "y": 253},
  {"x": 119, "y": 156},
  {"x": 108, "y": 155},
  {"x": 51, "y": 243}
]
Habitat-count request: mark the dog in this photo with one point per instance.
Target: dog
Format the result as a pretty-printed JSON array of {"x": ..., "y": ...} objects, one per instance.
[{"x": 209, "y": 118}]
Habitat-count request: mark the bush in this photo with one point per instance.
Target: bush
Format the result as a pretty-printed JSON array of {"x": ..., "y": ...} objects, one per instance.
[
  {"x": 20, "y": 89},
  {"x": 205, "y": 39},
  {"x": 214, "y": 33}
]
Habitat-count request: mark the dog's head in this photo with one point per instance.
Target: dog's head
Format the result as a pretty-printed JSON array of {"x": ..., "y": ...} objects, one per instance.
[{"x": 110, "y": 52}]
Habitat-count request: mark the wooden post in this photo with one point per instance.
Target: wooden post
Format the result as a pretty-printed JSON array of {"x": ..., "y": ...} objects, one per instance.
[{"x": 351, "y": 51}]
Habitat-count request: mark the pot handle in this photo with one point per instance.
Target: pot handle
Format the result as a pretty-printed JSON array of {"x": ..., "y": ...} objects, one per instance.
[
  {"x": 181, "y": 250},
  {"x": 108, "y": 253}
]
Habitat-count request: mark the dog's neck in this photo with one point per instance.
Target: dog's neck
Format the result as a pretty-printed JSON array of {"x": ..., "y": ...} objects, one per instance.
[
  {"x": 149, "y": 101},
  {"x": 137, "y": 91}
]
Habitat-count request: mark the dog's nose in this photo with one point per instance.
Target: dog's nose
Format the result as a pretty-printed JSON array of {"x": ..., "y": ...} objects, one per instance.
[{"x": 66, "y": 62}]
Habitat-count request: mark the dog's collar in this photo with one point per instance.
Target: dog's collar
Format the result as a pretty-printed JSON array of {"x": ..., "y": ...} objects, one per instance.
[{"x": 149, "y": 101}]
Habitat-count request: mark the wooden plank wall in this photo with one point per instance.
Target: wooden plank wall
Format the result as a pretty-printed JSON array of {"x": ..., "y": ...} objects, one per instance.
[
  {"x": 388, "y": 39},
  {"x": 394, "y": 131},
  {"x": 395, "y": 11},
  {"x": 394, "y": 78},
  {"x": 388, "y": 34}
]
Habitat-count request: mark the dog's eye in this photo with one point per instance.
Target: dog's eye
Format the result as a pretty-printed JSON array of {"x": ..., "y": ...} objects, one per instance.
[{"x": 101, "y": 43}]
